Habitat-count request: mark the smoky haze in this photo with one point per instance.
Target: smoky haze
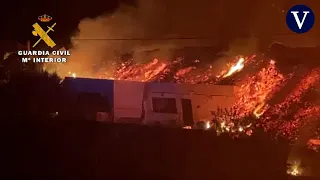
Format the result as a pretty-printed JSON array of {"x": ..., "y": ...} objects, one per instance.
[{"x": 100, "y": 41}]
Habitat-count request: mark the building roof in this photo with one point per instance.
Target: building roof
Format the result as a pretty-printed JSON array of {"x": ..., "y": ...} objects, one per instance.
[{"x": 104, "y": 87}]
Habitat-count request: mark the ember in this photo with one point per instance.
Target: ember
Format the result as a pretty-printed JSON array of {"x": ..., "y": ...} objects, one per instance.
[
  {"x": 252, "y": 107},
  {"x": 294, "y": 169}
]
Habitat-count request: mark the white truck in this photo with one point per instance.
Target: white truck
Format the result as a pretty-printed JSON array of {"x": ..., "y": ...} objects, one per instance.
[{"x": 155, "y": 103}]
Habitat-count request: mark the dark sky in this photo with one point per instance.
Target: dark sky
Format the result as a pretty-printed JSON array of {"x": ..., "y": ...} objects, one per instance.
[{"x": 19, "y": 15}]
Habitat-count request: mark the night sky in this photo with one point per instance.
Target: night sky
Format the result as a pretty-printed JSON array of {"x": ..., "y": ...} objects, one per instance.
[{"x": 19, "y": 16}]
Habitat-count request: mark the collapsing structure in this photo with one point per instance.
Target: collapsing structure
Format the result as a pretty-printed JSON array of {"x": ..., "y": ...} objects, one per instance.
[{"x": 148, "y": 102}]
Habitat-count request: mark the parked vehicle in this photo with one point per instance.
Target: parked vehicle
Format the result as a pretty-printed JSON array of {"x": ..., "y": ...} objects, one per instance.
[{"x": 154, "y": 103}]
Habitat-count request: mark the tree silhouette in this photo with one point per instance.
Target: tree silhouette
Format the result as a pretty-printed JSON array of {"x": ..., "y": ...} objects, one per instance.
[
  {"x": 12, "y": 64},
  {"x": 30, "y": 94}
]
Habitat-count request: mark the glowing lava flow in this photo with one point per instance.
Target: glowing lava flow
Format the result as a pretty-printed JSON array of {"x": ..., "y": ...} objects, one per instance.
[
  {"x": 295, "y": 96},
  {"x": 143, "y": 72},
  {"x": 257, "y": 89},
  {"x": 252, "y": 96}
]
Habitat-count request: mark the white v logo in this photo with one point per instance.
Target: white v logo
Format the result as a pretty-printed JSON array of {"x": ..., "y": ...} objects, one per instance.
[{"x": 299, "y": 23}]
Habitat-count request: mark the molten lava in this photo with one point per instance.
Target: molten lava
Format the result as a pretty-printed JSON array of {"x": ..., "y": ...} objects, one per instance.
[{"x": 255, "y": 90}]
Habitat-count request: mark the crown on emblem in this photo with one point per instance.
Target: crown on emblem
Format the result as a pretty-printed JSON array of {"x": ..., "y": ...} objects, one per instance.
[{"x": 44, "y": 18}]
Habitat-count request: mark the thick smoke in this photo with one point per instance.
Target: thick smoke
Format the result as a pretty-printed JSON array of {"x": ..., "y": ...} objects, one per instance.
[{"x": 101, "y": 41}]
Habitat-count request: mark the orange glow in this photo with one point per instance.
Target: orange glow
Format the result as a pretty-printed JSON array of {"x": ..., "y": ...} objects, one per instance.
[
  {"x": 252, "y": 97},
  {"x": 235, "y": 68}
]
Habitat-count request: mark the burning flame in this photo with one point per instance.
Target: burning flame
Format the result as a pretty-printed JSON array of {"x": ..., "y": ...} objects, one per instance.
[
  {"x": 257, "y": 89},
  {"x": 208, "y": 125},
  {"x": 260, "y": 109},
  {"x": 235, "y": 68},
  {"x": 74, "y": 75},
  {"x": 253, "y": 97},
  {"x": 294, "y": 170}
]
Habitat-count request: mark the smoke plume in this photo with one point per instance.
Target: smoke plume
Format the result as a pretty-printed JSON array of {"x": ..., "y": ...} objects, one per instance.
[{"x": 100, "y": 42}]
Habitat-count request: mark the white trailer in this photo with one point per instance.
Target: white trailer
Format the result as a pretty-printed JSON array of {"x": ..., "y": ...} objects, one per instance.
[
  {"x": 161, "y": 103},
  {"x": 166, "y": 103}
]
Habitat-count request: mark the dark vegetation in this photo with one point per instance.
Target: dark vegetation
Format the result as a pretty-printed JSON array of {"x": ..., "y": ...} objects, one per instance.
[
  {"x": 35, "y": 145},
  {"x": 91, "y": 150}
]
